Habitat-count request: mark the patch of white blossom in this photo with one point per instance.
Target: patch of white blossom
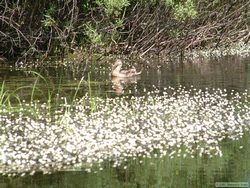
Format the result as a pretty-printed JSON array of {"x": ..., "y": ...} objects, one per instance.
[{"x": 173, "y": 122}]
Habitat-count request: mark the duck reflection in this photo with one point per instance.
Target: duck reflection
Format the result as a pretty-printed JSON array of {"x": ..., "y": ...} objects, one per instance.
[
  {"x": 120, "y": 77},
  {"x": 118, "y": 83}
]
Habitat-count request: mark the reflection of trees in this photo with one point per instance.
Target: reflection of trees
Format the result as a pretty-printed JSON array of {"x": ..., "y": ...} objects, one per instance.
[{"x": 229, "y": 72}]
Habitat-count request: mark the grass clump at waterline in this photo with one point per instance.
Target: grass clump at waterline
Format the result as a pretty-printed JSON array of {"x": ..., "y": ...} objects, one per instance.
[
  {"x": 174, "y": 122},
  {"x": 42, "y": 96}
]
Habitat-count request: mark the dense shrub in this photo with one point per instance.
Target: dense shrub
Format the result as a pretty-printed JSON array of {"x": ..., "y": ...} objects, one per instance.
[{"x": 38, "y": 29}]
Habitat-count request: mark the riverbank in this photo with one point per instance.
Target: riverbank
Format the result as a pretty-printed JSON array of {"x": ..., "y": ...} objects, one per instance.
[{"x": 56, "y": 29}]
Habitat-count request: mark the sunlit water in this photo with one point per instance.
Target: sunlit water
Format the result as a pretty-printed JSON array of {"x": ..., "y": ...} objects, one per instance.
[{"x": 174, "y": 126}]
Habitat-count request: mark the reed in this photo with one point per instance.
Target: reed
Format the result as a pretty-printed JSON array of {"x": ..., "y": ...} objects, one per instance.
[
  {"x": 44, "y": 101},
  {"x": 7, "y": 98},
  {"x": 3, "y": 95}
]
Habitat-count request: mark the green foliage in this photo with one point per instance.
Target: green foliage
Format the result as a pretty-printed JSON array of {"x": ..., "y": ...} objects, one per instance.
[
  {"x": 113, "y": 6},
  {"x": 119, "y": 23},
  {"x": 92, "y": 35},
  {"x": 7, "y": 97},
  {"x": 175, "y": 33},
  {"x": 3, "y": 95},
  {"x": 86, "y": 5},
  {"x": 34, "y": 88},
  {"x": 115, "y": 33},
  {"x": 184, "y": 10},
  {"x": 114, "y": 36},
  {"x": 57, "y": 27},
  {"x": 48, "y": 19},
  {"x": 169, "y": 2},
  {"x": 181, "y": 10}
]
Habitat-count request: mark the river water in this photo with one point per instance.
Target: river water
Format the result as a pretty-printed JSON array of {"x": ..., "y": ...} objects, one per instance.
[{"x": 193, "y": 169}]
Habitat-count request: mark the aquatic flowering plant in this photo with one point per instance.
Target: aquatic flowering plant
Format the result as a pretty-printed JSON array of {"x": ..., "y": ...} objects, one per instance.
[{"x": 173, "y": 122}]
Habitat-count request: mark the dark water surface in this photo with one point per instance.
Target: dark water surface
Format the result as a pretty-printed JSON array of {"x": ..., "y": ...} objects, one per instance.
[{"x": 232, "y": 73}]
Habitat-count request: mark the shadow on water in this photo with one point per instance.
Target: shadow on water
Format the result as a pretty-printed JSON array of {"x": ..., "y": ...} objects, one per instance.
[{"x": 232, "y": 73}]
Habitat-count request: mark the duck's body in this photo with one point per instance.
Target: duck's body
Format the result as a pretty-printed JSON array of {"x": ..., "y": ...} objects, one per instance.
[{"x": 117, "y": 72}]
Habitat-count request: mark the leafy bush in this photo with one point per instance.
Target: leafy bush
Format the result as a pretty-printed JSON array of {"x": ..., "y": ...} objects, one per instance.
[
  {"x": 184, "y": 10},
  {"x": 92, "y": 35},
  {"x": 113, "y": 6},
  {"x": 48, "y": 19}
]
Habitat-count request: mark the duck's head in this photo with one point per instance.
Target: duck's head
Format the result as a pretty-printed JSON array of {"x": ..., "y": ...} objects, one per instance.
[{"x": 117, "y": 63}]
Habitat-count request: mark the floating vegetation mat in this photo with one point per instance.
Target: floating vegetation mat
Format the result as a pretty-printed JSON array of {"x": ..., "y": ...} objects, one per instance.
[
  {"x": 239, "y": 48},
  {"x": 174, "y": 122}
]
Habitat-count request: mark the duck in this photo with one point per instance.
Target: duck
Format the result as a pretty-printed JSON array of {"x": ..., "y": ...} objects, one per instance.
[
  {"x": 117, "y": 72},
  {"x": 119, "y": 83}
]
